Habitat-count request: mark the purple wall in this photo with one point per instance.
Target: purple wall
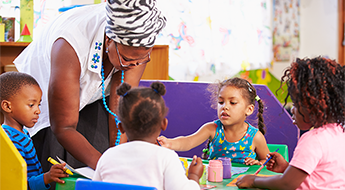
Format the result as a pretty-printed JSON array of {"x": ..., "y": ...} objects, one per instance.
[{"x": 189, "y": 108}]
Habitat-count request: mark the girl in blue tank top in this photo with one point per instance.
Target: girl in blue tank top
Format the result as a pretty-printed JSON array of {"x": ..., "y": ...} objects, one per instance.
[{"x": 229, "y": 136}]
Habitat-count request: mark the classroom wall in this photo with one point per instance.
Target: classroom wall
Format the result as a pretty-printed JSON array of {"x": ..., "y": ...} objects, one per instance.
[{"x": 318, "y": 31}]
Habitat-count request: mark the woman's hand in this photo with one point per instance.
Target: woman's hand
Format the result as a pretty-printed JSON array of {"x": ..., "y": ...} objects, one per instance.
[
  {"x": 246, "y": 181},
  {"x": 196, "y": 169},
  {"x": 251, "y": 161},
  {"x": 164, "y": 142},
  {"x": 55, "y": 172},
  {"x": 277, "y": 163}
]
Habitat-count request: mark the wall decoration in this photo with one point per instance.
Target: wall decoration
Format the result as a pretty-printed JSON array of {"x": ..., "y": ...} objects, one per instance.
[
  {"x": 214, "y": 40},
  {"x": 208, "y": 40},
  {"x": 286, "y": 29}
]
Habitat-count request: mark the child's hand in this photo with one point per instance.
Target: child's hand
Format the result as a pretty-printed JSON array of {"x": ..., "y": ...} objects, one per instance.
[
  {"x": 164, "y": 142},
  {"x": 55, "y": 172},
  {"x": 246, "y": 181},
  {"x": 251, "y": 161},
  {"x": 196, "y": 169},
  {"x": 277, "y": 163}
]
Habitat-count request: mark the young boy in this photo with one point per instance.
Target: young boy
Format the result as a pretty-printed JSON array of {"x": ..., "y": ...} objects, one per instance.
[{"x": 20, "y": 97}]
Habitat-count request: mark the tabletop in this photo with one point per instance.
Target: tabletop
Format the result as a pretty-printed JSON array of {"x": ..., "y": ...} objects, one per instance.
[
  {"x": 70, "y": 181},
  {"x": 225, "y": 182}
]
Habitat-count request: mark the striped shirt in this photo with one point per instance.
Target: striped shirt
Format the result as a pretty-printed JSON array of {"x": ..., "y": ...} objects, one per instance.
[{"x": 23, "y": 143}]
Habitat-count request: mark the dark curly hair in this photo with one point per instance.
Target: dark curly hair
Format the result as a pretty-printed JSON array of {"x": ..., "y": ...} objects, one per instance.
[
  {"x": 248, "y": 93},
  {"x": 12, "y": 82},
  {"x": 141, "y": 109},
  {"x": 318, "y": 86}
]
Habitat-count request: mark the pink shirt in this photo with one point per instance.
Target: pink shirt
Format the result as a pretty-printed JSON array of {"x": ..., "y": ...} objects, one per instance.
[{"x": 320, "y": 153}]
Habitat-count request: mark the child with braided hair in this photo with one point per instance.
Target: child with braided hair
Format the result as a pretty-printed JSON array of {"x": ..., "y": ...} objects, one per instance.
[
  {"x": 141, "y": 161},
  {"x": 316, "y": 87},
  {"x": 229, "y": 136}
]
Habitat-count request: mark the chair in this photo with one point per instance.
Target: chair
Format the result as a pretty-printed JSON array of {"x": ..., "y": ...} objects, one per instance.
[
  {"x": 86, "y": 184},
  {"x": 283, "y": 150},
  {"x": 12, "y": 165}
]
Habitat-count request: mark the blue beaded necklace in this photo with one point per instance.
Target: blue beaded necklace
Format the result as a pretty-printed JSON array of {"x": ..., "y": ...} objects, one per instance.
[{"x": 117, "y": 121}]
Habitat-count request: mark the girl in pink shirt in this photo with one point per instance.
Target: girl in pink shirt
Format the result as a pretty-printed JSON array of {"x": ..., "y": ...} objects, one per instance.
[{"x": 317, "y": 88}]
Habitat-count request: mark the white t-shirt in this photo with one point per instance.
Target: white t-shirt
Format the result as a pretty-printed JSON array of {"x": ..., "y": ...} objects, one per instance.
[
  {"x": 143, "y": 163},
  {"x": 83, "y": 28},
  {"x": 320, "y": 153}
]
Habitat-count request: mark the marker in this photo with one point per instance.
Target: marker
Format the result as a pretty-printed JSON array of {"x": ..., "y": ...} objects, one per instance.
[
  {"x": 158, "y": 143},
  {"x": 51, "y": 160},
  {"x": 263, "y": 165}
]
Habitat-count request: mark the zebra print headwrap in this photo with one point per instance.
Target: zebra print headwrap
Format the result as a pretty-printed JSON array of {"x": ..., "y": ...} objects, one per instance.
[{"x": 134, "y": 22}]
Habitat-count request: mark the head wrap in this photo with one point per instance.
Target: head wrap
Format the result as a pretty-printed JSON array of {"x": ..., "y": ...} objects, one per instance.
[{"x": 133, "y": 22}]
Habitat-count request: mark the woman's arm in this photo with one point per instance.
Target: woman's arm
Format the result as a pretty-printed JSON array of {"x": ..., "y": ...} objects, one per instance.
[
  {"x": 132, "y": 77},
  {"x": 185, "y": 143},
  {"x": 63, "y": 99}
]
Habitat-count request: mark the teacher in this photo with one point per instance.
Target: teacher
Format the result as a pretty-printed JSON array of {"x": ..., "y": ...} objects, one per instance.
[{"x": 67, "y": 61}]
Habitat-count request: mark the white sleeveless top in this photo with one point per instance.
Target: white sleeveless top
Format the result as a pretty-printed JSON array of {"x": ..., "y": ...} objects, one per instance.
[{"x": 83, "y": 28}]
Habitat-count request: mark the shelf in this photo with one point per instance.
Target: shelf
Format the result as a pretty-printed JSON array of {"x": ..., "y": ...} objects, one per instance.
[
  {"x": 16, "y": 44},
  {"x": 9, "y": 51},
  {"x": 156, "y": 69}
]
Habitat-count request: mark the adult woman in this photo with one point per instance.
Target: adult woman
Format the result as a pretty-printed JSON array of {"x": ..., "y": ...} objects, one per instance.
[{"x": 70, "y": 54}]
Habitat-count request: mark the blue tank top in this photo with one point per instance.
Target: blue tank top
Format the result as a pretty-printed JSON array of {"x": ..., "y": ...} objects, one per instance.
[{"x": 237, "y": 151}]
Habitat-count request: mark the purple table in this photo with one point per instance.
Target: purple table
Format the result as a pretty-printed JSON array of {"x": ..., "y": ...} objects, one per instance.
[{"x": 190, "y": 107}]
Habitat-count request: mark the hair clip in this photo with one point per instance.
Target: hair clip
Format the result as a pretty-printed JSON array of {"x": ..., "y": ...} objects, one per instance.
[
  {"x": 249, "y": 88},
  {"x": 257, "y": 98}
]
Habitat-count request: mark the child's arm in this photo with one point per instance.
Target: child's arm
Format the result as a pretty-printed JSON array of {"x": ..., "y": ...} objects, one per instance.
[
  {"x": 291, "y": 179},
  {"x": 196, "y": 169},
  {"x": 260, "y": 148},
  {"x": 185, "y": 143},
  {"x": 277, "y": 163},
  {"x": 55, "y": 172}
]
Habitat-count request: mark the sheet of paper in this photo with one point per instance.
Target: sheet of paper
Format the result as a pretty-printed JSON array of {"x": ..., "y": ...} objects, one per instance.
[
  {"x": 85, "y": 171},
  {"x": 238, "y": 170},
  {"x": 233, "y": 182}
]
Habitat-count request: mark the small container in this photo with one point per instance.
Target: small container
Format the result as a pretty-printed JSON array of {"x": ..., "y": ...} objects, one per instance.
[
  {"x": 226, "y": 167},
  {"x": 215, "y": 171}
]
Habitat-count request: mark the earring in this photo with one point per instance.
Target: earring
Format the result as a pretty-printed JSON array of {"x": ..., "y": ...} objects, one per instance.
[{"x": 106, "y": 50}]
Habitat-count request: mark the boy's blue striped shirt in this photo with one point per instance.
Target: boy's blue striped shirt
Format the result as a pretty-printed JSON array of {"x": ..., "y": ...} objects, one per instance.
[{"x": 23, "y": 143}]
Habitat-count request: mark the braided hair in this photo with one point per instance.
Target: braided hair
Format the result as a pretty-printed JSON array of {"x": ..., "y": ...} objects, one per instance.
[
  {"x": 248, "y": 93},
  {"x": 317, "y": 85},
  {"x": 141, "y": 109}
]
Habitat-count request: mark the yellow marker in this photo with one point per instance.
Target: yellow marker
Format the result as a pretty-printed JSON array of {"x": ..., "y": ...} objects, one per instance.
[{"x": 51, "y": 160}]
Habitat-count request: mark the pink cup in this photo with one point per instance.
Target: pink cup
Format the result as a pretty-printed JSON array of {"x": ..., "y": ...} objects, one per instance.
[{"x": 215, "y": 171}]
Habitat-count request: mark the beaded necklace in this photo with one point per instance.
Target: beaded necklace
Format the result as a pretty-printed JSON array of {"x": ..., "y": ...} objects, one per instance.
[{"x": 117, "y": 121}]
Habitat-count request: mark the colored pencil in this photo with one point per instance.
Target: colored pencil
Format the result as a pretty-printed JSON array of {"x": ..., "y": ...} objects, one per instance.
[{"x": 263, "y": 165}]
